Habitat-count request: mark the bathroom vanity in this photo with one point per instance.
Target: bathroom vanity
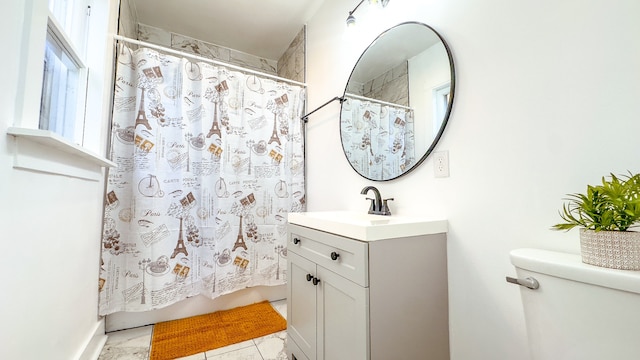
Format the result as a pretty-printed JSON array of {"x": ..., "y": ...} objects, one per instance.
[{"x": 366, "y": 287}]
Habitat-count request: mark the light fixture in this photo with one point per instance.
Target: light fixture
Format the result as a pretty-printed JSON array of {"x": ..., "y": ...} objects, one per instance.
[
  {"x": 351, "y": 20},
  {"x": 382, "y": 3}
]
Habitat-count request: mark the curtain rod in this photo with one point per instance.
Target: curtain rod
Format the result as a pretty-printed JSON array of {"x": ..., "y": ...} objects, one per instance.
[
  {"x": 201, "y": 58},
  {"x": 305, "y": 118},
  {"x": 377, "y": 101}
]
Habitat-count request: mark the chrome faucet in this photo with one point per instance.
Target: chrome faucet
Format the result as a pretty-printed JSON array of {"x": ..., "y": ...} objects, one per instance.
[{"x": 378, "y": 206}]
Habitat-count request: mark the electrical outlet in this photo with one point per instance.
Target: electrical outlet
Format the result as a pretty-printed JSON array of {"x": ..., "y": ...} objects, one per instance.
[{"x": 441, "y": 164}]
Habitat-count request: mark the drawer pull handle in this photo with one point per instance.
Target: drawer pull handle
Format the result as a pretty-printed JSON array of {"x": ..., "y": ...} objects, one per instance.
[
  {"x": 334, "y": 256},
  {"x": 316, "y": 281},
  {"x": 309, "y": 277},
  {"x": 296, "y": 241}
]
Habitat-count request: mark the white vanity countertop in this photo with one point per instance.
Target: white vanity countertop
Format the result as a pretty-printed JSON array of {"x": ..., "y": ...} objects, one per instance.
[{"x": 366, "y": 227}]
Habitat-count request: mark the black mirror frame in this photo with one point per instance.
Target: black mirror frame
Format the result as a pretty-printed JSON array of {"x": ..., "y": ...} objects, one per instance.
[{"x": 447, "y": 114}]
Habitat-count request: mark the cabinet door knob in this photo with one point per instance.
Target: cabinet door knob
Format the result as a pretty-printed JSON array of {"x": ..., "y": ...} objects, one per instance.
[
  {"x": 296, "y": 241},
  {"x": 334, "y": 256},
  {"x": 309, "y": 277},
  {"x": 316, "y": 281}
]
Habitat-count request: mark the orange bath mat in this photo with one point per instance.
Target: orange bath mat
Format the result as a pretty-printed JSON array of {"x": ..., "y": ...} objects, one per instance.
[{"x": 184, "y": 337}]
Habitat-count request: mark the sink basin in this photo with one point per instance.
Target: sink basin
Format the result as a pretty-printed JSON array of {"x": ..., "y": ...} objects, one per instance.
[{"x": 367, "y": 227}]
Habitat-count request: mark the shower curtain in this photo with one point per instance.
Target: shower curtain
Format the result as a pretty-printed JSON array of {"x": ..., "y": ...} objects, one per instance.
[
  {"x": 210, "y": 161},
  {"x": 378, "y": 139}
]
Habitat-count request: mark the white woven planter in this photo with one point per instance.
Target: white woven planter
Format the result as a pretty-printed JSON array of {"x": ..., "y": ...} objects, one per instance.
[{"x": 611, "y": 249}]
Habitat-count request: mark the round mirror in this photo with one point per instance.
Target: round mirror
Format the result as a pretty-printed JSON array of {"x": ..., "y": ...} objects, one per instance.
[{"x": 397, "y": 101}]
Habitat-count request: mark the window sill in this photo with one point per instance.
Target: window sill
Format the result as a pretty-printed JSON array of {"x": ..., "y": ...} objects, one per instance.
[{"x": 33, "y": 151}]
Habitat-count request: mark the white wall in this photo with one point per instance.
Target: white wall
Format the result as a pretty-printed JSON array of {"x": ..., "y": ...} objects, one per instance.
[
  {"x": 51, "y": 227},
  {"x": 546, "y": 102}
]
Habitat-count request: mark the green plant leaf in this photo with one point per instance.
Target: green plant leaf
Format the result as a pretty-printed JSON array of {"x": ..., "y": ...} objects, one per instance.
[{"x": 613, "y": 205}]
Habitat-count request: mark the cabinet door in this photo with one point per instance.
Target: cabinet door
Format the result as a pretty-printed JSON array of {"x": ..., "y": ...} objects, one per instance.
[
  {"x": 293, "y": 351},
  {"x": 343, "y": 325},
  {"x": 301, "y": 304}
]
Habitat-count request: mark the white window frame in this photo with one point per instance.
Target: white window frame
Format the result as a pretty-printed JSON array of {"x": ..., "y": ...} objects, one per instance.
[
  {"x": 440, "y": 105},
  {"x": 44, "y": 150}
]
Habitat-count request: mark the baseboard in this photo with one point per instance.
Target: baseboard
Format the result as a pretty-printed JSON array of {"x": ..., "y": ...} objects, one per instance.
[{"x": 94, "y": 347}]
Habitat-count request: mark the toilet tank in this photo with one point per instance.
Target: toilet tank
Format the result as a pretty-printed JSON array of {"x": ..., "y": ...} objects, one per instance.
[{"x": 579, "y": 311}]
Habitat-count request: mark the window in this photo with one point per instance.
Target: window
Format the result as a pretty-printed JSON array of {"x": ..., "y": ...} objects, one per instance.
[
  {"x": 56, "y": 91},
  {"x": 441, "y": 98},
  {"x": 64, "y": 79}
]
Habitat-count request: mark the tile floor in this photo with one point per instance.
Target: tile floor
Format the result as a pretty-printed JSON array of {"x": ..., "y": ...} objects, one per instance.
[{"x": 134, "y": 344}]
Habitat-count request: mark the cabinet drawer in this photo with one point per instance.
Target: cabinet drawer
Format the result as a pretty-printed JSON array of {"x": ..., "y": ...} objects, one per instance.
[
  {"x": 350, "y": 257},
  {"x": 294, "y": 352}
]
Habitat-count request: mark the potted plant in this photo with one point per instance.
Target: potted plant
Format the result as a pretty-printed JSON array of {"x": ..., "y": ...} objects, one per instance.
[{"x": 605, "y": 214}]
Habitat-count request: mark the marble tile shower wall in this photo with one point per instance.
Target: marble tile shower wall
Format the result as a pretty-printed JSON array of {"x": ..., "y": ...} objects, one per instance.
[
  {"x": 391, "y": 86},
  {"x": 197, "y": 47},
  {"x": 356, "y": 88},
  {"x": 127, "y": 23},
  {"x": 291, "y": 62}
]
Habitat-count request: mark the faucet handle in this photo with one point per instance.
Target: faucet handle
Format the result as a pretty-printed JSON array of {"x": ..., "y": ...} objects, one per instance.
[
  {"x": 372, "y": 207},
  {"x": 385, "y": 207}
]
